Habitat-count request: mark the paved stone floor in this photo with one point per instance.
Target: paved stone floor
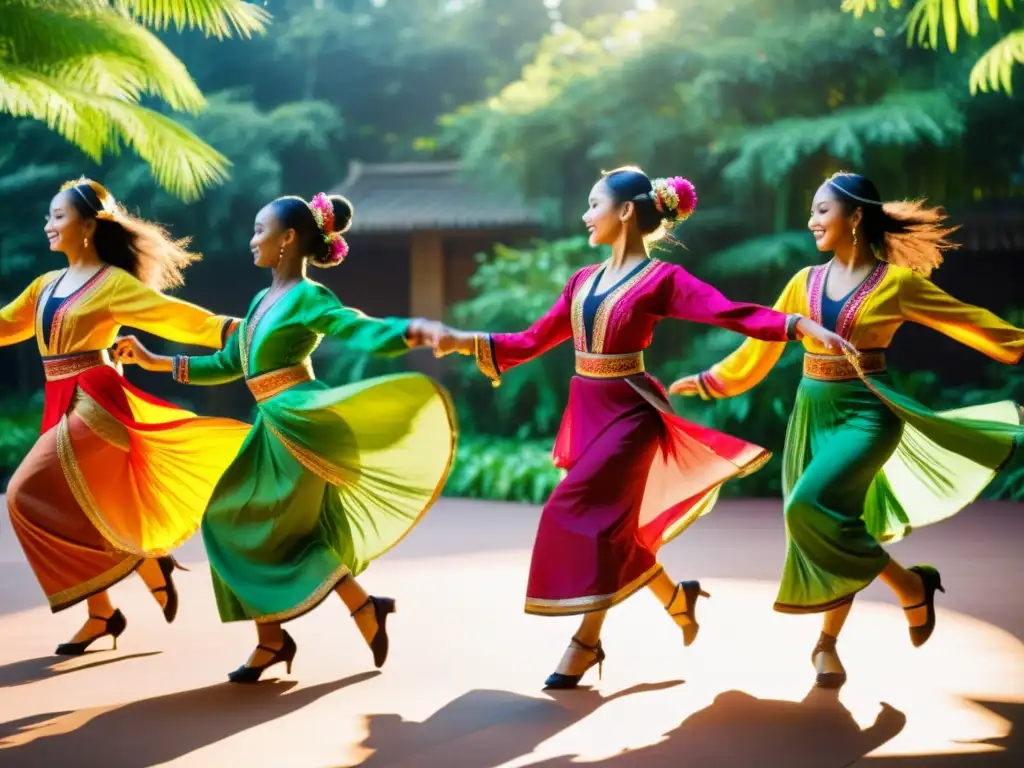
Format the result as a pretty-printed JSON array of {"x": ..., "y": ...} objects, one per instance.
[{"x": 462, "y": 688}]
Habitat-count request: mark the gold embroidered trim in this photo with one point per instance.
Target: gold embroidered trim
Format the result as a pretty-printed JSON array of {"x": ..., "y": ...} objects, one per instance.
[
  {"x": 82, "y": 294},
  {"x": 840, "y": 368},
  {"x": 579, "y": 330},
  {"x": 609, "y": 366},
  {"x": 69, "y": 366},
  {"x": 315, "y": 598},
  {"x": 609, "y": 302},
  {"x": 267, "y": 385},
  {"x": 95, "y": 585},
  {"x": 483, "y": 350},
  {"x": 44, "y": 296},
  {"x": 180, "y": 373},
  {"x": 311, "y": 461},
  {"x": 576, "y": 605},
  {"x": 79, "y": 488},
  {"x": 100, "y": 421}
]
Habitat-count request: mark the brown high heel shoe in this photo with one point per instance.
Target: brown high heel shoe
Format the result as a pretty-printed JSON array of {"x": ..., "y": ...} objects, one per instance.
[
  {"x": 932, "y": 582},
  {"x": 691, "y": 591}
]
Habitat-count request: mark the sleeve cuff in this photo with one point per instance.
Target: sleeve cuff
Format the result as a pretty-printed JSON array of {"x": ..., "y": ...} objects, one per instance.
[
  {"x": 180, "y": 370},
  {"x": 707, "y": 387},
  {"x": 483, "y": 350},
  {"x": 226, "y": 330},
  {"x": 791, "y": 332}
]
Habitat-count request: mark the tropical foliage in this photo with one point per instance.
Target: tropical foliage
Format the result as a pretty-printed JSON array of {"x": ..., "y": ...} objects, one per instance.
[
  {"x": 84, "y": 68},
  {"x": 928, "y": 21},
  {"x": 754, "y": 100}
]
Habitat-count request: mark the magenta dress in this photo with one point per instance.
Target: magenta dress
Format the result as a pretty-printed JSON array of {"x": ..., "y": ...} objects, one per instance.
[{"x": 637, "y": 474}]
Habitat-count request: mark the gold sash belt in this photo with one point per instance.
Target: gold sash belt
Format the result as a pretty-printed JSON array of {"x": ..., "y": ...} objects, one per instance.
[
  {"x": 594, "y": 366},
  {"x": 839, "y": 368},
  {"x": 66, "y": 366},
  {"x": 267, "y": 385}
]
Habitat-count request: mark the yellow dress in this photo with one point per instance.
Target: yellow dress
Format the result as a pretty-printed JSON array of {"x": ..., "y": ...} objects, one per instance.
[
  {"x": 116, "y": 475},
  {"x": 863, "y": 462}
]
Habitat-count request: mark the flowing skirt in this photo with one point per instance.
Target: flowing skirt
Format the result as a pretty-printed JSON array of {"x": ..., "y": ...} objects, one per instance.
[
  {"x": 637, "y": 476},
  {"x": 865, "y": 464},
  {"x": 116, "y": 476},
  {"x": 328, "y": 480}
]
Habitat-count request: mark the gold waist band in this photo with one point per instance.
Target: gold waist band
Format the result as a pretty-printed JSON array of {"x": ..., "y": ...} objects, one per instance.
[
  {"x": 595, "y": 366},
  {"x": 267, "y": 385},
  {"x": 839, "y": 368},
  {"x": 67, "y": 366}
]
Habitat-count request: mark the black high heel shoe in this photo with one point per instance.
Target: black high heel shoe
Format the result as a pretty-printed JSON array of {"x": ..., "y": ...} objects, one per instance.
[
  {"x": 691, "y": 591},
  {"x": 833, "y": 680},
  {"x": 115, "y": 626},
  {"x": 167, "y": 565},
  {"x": 382, "y": 607},
  {"x": 286, "y": 654},
  {"x": 559, "y": 682},
  {"x": 932, "y": 583}
]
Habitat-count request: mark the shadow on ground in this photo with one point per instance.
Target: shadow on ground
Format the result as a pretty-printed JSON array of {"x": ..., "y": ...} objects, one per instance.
[{"x": 157, "y": 730}]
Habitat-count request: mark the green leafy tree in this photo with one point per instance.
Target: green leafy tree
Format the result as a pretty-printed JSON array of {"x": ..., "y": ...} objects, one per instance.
[
  {"x": 84, "y": 67},
  {"x": 929, "y": 20}
]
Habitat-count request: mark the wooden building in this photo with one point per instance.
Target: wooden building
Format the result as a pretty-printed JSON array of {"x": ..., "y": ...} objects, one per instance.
[{"x": 415, "y": 234}]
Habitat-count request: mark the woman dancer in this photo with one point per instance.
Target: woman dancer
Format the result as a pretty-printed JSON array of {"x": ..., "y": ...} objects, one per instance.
[
  {"x": 118, "y": 478},
  {"x": 865, "y": 464},
  {"x": 637, "y": 474},
  {"x": 329, "y": 478}
]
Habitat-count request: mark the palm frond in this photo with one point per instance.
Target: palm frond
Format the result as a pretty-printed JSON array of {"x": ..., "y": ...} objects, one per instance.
[
  {"x": 115, "y": 56},
  {"x": 994, "y": 70},
  {"x": 215, "y": 18},
  {"x": 100, "y": 125}
]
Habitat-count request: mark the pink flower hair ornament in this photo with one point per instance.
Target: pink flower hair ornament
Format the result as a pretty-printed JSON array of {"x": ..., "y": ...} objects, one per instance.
[
  {"x": 675, "y": 198},
  {"x": 323, "y": 213}
]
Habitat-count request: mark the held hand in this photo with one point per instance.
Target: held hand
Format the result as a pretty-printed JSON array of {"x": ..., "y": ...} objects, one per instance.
[
  {"x": 425, "y": 333},
  {"x": 454, "y": 341},
  {"x": 128, "y": 350},
  {"x": 833, "y": 342},
  {"x": 686, "y": 386}
]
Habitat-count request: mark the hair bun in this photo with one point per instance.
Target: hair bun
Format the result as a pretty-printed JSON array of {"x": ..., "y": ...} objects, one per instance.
[{"x": 342, "y": 213}]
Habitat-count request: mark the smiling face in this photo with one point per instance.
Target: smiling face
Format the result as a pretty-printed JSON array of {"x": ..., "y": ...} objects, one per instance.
[
  {"x": 66, "y": 229},
  {"x": 604, "y": 218},
  {"x": 269, "y": 239},
  {"x": 829, "y": 223}
]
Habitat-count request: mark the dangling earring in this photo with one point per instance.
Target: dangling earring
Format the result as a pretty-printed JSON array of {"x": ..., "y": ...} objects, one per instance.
[
  {"x": 85, "y": 243},
  {"x": 280, "y": 255},
  {"x": 854, "y": 237}
]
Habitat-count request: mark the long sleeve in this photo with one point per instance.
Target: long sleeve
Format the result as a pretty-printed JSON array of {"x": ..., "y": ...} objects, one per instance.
[
  {"x": 921, "y": 301},
  {"x": 694, "y": 300},
  {"x": 136, "y": 305},
  {"x": 384, "y": 337},
  {"x": 497, "y": 352},
  {"x": 218, "y": 368},
  {"x": 17, "y": 319},
  {"x": 754, "y": 359}
]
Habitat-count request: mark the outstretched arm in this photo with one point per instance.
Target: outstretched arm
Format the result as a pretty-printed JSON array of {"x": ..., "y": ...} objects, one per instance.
[
  {"x": 218, "y": 368},
  {"x": 495, "y": 353},
  {"x": 921, "y": 301},
  {"x": 17, "y": 319},
  {"x": 752, "y": 361},
  {"x": 136, "y": 305}
]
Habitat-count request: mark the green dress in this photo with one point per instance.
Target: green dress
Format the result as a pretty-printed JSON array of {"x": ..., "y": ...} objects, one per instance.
[
  {"x": 865, "y": 464},
  {"x": 329, "y": 478}
]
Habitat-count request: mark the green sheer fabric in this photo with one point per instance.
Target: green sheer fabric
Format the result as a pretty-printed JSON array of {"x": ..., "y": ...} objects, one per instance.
[
  {"x": 866, "y": 464},
  {"x": 329, "y": 478}
]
